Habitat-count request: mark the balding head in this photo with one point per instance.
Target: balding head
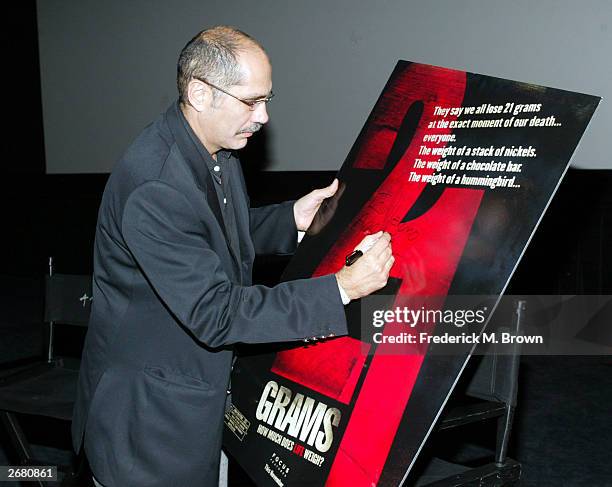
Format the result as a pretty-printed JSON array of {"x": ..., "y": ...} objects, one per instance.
[{"x": 213, "y": 55}]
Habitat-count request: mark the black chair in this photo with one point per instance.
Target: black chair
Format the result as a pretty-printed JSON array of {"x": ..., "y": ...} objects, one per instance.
[
  {"x": 47, "y": 387},
  {"x": 489, "y": 394}
]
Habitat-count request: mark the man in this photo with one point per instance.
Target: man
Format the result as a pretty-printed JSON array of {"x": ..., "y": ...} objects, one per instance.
[{"x": 173, "y": 257}]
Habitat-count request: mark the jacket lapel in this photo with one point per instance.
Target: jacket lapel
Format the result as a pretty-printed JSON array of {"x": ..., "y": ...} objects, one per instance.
[
  {"x": 202, "y": 176},
  {"x": 194, "y": 160}
]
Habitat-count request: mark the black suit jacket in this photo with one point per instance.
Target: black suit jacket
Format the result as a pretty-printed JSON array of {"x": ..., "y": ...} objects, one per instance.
[{"x": 170, "y": 300}]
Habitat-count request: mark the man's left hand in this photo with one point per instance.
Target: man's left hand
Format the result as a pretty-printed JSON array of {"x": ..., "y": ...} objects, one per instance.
[{"x": 307, "y": 206}]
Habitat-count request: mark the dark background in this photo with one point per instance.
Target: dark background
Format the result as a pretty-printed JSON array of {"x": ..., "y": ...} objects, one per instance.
[{"x": 562, "y": 432}]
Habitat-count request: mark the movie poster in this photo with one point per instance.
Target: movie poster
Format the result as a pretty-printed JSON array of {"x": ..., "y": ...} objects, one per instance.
[{"x": 459, "y": 169}]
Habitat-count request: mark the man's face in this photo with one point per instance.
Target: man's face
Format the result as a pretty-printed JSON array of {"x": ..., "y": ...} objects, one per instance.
[{"x": 229, "y": 123}]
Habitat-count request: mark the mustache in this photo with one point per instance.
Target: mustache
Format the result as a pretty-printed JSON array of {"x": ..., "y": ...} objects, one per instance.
[{"x": 255, "y": 127}]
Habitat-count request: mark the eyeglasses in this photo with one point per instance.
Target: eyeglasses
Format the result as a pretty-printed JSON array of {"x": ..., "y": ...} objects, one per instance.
[{"x": 252, "y": 104}]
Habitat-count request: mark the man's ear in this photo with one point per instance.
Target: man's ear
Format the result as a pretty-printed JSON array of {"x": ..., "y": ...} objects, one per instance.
[{"x": 198, "y": 94}]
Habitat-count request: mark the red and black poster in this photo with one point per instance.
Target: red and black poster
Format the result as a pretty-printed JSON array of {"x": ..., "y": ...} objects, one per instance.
[{"x": 459, "y": 169}]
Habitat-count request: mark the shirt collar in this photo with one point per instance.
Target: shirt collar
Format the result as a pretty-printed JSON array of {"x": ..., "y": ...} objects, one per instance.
[{"x": 222, "y": 155}]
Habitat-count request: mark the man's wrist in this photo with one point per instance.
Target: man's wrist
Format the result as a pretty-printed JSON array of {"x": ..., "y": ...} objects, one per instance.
[{"x": 295, "y": 217}]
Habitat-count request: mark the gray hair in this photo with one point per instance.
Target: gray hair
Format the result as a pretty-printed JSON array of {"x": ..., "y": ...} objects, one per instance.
[{"x": 212, "y": 55}]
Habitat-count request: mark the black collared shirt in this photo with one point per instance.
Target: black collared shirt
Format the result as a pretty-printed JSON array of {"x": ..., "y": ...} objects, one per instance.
[{"x": 223, "y": 173}]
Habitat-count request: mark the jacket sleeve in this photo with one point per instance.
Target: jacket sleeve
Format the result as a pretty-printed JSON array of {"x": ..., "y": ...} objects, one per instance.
[
  {"x": 273, "y": 229},
  {"x": 171, "y": 245}
]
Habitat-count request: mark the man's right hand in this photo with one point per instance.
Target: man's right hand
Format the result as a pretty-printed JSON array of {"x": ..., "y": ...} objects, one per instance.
[{"x": 370, "y": 272}]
